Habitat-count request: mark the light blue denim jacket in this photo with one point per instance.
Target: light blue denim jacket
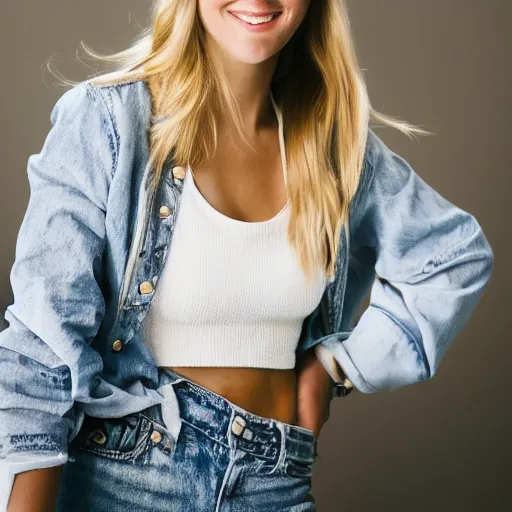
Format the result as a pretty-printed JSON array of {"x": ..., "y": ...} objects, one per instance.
[{"x": 92, "y": 233}]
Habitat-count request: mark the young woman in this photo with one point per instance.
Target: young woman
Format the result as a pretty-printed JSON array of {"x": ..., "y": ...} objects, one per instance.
[{"x": 202, "y": 226}]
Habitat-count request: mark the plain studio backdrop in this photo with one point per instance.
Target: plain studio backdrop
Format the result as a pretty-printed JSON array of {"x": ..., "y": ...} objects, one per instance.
[{"x": 440, "y": 445}]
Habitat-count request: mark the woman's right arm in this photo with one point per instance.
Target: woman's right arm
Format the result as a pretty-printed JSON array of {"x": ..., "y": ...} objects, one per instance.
[{"x": 47, "y": 363}]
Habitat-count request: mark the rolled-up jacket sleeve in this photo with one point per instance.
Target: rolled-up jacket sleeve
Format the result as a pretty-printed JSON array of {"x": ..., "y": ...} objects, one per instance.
[
  {"x": 432, "y": 262},
  {"x": 46, "y": 361}
]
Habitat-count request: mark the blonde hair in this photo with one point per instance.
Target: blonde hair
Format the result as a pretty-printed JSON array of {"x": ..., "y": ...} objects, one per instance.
[{"x": 317, "y": 84}]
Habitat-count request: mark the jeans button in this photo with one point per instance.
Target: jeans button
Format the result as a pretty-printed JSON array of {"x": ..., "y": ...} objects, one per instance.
[
  {"x": 98, "y": 437},
  {"x": 156, "y": 437},
  {"x": 238, "y": 425}
]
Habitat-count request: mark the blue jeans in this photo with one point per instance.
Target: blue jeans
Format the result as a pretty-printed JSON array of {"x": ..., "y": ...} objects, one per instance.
[{"x": 196, "y": 452}]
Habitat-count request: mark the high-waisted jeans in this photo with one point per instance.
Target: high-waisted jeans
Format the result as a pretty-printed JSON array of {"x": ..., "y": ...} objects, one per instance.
[{"x": 196, "y": 452}]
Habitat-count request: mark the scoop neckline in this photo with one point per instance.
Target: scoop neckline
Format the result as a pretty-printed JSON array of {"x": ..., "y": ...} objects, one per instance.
[
  {"x": 201, "y": 200},
  {"x": 242, "y": 223}
]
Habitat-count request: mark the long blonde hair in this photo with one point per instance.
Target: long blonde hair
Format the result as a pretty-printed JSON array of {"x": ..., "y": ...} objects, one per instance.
[{"x": 317, "y": 84}]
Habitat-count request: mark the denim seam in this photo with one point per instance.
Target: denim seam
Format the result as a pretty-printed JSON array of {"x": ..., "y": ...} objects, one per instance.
[
  {"x": 447, "y": 255},
  {"x": 282, "y": 451},
  {"x": 205, "y": 433},
  {"x": 119, "y": 84},
  {"x": 360, "y": 374},
  {"x": 410, "y": 338},
  {"x": 153, "y": 421},
  {"x": 114, "y": 135},
  {"x": 360, "y": 196}
]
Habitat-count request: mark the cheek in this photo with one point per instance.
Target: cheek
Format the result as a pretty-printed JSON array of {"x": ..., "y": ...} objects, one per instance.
[
  {"x": 300, "y": 9},
  {"x": 211, "y": 14}
]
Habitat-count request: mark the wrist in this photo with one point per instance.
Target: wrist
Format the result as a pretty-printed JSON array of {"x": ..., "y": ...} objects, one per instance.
[{"x": 341, "y": 384}]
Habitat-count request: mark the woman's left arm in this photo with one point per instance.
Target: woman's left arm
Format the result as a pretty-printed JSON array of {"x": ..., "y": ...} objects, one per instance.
[{"x": 432, "y": 263}]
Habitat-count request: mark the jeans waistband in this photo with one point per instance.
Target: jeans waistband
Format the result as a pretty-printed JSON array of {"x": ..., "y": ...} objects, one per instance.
[{"x": 221, "y": 419}]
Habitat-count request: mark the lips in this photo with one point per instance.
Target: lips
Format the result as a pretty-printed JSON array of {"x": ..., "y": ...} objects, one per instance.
[
  {"x": 247, "y": 13},
  {"x": 256, "y": 26}
]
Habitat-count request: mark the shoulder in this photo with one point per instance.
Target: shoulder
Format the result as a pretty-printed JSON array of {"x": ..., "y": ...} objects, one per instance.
[
  {"x": 386, "y": 179},
  {"x": 125, "y": 99},
  {"x": 124, "y": 106},
  {"x": 373, "y": 146},
  {"x": 378, "y": 158},
  {"x": 106, "y": 123},
  {"x": 384, "y": 172}
]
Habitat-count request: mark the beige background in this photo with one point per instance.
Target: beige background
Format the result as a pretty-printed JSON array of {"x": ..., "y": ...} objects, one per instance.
[{"x": 442, "y": 64}]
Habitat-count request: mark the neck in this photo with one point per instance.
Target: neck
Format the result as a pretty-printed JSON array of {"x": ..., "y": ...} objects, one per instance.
[{"x": 250, "y": 84}]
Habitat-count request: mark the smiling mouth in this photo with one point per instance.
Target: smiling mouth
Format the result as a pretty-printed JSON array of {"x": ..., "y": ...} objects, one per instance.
[{"x": 256, "y": 20}]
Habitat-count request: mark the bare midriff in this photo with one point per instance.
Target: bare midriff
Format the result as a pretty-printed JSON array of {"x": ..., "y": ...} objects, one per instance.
[{"x": 270, "y": 393}]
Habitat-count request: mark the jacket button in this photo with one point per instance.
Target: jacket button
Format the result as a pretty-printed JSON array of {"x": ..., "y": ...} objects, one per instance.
[
  {"x": 145, "y": 287},
  {"x": 117, "y": 345},
  {"x": 164, "y": 212},
  {"x": 178, "y": 172}
]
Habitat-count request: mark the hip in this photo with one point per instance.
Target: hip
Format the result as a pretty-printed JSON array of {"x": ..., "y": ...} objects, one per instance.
[{"x": 196, "y": 451}]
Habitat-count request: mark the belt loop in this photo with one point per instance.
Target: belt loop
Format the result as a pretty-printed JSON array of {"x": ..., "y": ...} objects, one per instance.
[{"x": 282, "y": 451}]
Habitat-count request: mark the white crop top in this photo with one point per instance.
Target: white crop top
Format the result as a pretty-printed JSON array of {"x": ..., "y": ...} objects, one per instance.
[{"x": 232, "y": 293}]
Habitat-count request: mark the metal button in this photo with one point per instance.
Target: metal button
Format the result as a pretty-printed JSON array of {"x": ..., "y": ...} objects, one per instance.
[
  {"x": 238, "y": 425},
  {"x": 145, "y": 287},
  {"x": 164, "y": 212},
  {"x": 98, "y": 437},
  {"x": 117, "y": 345},
  {"x": 178, "y": 172},
  {"x": 247, "y": 434},
  {"x": 156, "y": 437}
]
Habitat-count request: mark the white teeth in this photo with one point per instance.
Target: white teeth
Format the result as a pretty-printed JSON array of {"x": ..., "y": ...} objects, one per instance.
[{"x": 255, "y": 20}]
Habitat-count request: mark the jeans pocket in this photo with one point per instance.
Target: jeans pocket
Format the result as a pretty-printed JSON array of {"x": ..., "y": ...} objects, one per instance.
[{"x": 123, "y": 439}]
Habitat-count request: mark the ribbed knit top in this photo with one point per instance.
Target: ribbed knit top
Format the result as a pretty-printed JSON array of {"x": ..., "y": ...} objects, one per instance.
[{"x": 232, "y": 293}]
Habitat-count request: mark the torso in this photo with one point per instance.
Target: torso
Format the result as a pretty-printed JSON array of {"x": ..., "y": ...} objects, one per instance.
[{"x": 250, "y": 187}]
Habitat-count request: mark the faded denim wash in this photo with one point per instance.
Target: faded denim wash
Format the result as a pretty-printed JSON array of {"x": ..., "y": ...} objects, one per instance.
[
  {"x": 214, "y": 456},
  {"x": 92, "y": 233}
]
